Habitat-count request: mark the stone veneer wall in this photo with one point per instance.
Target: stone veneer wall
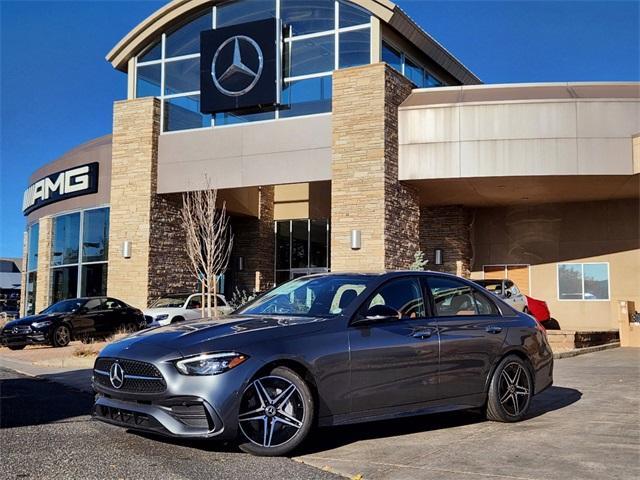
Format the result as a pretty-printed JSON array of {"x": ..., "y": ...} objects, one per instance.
[
  {"x": 151, "y": 222},
  {"x": 446, "y": 227},
  {"x": 169, "y": 265},
  {"x": 366, "y": 194},
  {"x": 43, "y": 279},
  {"x": 254, "y": 241}
]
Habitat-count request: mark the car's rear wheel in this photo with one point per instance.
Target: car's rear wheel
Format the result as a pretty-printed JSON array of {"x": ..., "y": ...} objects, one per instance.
[
  {"x": 510, "y": 390},
  {"x": 61, "y": 336},
  {"x": 276, "y": 413}
]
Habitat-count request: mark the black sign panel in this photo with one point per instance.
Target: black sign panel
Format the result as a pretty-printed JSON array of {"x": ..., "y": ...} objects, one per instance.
[
  {"x": 74, "y": 182},
  {"x": 239, "y": 68}
]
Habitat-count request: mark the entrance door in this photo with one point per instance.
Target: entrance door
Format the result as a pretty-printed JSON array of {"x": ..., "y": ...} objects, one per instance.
[{"x": 518, "y": 274}]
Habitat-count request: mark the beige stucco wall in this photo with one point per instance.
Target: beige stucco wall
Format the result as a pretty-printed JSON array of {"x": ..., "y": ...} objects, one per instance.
[
  {"x": 502, "y": 134},
  {"x": 266, "y": 153},
  {"x": 544, "y": 235}
]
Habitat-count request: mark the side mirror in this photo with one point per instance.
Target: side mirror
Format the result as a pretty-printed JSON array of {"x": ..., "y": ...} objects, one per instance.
[{"x": 378, "y": 313}]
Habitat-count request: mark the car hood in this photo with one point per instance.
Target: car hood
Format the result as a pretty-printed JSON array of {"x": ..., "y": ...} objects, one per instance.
[
  {"x": 196, "y": 336},
  {"x": 33, "y": 318}
]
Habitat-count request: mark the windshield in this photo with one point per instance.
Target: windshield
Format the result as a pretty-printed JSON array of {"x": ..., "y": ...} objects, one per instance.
[
  {"x": 494, "y": 286},
  {"x": 65, "y": 306},
  {"x": 172, "y": 301},
  {"x": 325, "y": 296}
]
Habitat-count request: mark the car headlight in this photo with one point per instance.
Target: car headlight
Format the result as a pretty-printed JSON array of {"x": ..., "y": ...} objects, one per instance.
[
  {"x": 210, "y": 364},
  {"x": 42, "y": 324},
  {"x": 164, "y": 316}
]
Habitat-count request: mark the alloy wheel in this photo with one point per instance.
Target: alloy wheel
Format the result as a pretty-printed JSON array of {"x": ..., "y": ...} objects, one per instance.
[
  {"x": 62, "y": 336},
  {"x": 514, "y": 390},
  {"x": 272, "y": 411}
]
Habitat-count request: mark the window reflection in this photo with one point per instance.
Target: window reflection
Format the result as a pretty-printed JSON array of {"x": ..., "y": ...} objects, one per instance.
[
  {"x": 95, "y": 245},
  {"x": 148, "y": 81},
  {"x": 32, "y": 255},
  {"x": 351, "y": 15},
  {"x": 308, "y": 16},
  {"x": 355, "y": 48},
  {"x": 233, "y": 13},
  {"x": 182, "y": 113},
  {"x": 182, "y": 76},
  {"x": 306, "y": 97},
  {"x": 64, "y": 283},
  {"x": 94, "y": 280},
  {"x": 310, "y": 55},
  {"x": 186, "y": 39},
  {"x": 66, "y": 239},
  {"x": 302, "y": 248}
]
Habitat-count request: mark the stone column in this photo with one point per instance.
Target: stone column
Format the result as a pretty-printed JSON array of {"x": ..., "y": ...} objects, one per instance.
[
  {"x": 366, "y": 194},
  {"x": 136, "y": 126},
  {"x": 23, "y": 274},
  {"x": 448, "y": 228},
  {"x": 43, "y": 278},
  {"x": 254, "y": 242}
]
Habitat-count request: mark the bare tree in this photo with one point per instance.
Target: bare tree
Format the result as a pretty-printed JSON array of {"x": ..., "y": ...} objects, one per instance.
[{"x": 208, "y": 237}]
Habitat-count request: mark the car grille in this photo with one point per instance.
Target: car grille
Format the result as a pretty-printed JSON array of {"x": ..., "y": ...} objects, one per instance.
[
  {"x": 139, "y": 377},
  {"x": 18, "y": 330},
  {"x": 193, "y": 414},
  {"x": 127, "y": 418}
]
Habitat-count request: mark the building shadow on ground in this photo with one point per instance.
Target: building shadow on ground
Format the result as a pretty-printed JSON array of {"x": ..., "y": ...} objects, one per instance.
[{"x": 26, "y": 401}]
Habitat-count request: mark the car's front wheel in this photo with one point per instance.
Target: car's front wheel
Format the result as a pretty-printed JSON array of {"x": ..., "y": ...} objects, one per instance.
[
  {"x": 16, "y": 347},
  {"x": 276, "y": 413},
  {"x": 510, "y": 390},
  {"x": 61, "y": 336}
]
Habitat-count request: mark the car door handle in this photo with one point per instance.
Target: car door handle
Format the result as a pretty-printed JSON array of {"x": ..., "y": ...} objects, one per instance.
[
  {"x": 422, "y": 334},
  {"x": 493, "y": 329}
]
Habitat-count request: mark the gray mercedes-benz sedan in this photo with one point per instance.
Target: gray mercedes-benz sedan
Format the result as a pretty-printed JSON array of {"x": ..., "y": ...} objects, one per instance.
[{"x": 324, "y": 350}]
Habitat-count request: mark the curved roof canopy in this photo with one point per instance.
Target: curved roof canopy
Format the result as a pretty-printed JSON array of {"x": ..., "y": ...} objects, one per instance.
[{"x": 176, "y": 11}]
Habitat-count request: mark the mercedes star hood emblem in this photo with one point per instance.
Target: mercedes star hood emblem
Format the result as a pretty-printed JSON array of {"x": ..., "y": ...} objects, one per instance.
[{"x": 116, "y": 375}]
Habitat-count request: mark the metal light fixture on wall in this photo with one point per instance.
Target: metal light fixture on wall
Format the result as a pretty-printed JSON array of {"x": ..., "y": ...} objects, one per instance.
[
  {"x": 356, "y": 239},
  {"x": 438, "y": 258},
  {"x": 126, "y": 249}
]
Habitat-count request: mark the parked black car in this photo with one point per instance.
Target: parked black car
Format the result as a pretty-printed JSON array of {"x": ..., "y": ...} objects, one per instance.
[{"x": 73, "y": 319}]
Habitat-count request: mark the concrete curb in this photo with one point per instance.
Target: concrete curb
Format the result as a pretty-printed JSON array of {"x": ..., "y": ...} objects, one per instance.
[{"x": 582, "y": 351}]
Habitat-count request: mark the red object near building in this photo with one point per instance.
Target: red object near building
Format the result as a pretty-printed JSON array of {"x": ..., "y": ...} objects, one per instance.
[{"x": 538, "y": 309}]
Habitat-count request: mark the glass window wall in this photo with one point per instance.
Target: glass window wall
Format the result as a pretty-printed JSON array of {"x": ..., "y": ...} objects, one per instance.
[
  {"x": 74, "y": 274},
  {"x": 302, "y": 248},
  {"x": 583, "y": 281},
  {"x": 33, "y": 235},
  {"x": 410, "y": 69},
  {"x": 322, "y": 35}
]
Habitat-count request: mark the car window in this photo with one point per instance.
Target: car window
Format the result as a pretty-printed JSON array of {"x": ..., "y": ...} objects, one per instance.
[
  {"x": 196, "y": 302},
  {"x": 344, "y": 296},
  {"x": 404, "y": 295},
  {"x": 454, "y": 298},
  {"x": 93, "y": 304},
  {"x": 113, "y": 304},
  {"x": 515, "y": 290},
  {"x": 221, "y": 301}
]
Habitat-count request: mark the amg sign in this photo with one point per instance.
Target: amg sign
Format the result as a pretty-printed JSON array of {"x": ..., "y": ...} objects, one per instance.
[{"x": 58, "y": 186}]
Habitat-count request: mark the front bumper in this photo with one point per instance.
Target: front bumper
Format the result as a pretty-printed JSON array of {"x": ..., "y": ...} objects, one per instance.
[
  {"x": 18, "y": 340},
  {"x": 187, "y": 406}
]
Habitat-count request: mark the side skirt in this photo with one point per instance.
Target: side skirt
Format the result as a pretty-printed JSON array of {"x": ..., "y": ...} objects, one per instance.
[{"x": 390, "y": 413}]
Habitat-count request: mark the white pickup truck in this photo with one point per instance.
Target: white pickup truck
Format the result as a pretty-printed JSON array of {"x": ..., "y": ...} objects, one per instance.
[{"x": 177, "y": 308}]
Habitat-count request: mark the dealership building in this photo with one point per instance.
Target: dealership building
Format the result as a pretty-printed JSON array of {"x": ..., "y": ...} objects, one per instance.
[{"x": 342, "y": 137}]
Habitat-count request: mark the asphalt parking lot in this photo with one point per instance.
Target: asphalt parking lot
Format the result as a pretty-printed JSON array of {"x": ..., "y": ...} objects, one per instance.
[{"x": 585, "y": 427}]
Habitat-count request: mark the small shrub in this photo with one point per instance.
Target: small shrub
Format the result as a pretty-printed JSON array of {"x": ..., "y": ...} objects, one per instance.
[
  {"x": 86, "y": 350},
  {"x": 240, "y": 297},
  {"x": 419, "y": 261}
]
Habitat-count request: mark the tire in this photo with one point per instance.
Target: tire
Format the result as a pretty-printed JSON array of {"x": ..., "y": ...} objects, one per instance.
[
  {"x": 526, "y": 310},
  {"x": 16, "y": 347},
  {"x": 131, "y": 327},
  {"x": 512, "y": 379},
  {"x": 177, "y": 320},
  {"x": 296, "y": 408},
  {"x": 61, "y": 336}
]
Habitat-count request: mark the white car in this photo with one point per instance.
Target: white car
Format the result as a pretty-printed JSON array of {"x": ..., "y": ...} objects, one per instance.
[
  {"x": 177, "y": 308},
  {"x": 507, "y": 291}
]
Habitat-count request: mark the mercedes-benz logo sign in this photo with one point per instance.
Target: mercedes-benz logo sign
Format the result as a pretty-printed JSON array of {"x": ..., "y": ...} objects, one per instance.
[
  {"x": 116, "y": 375},
  {"x": 222, "y": 74}
]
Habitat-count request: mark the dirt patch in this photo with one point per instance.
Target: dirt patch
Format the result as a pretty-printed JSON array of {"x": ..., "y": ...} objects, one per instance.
[{"x": 76, "y": 354}]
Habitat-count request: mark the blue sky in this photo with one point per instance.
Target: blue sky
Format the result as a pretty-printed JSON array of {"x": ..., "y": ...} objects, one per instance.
[{"x": 56, "y": 89}]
